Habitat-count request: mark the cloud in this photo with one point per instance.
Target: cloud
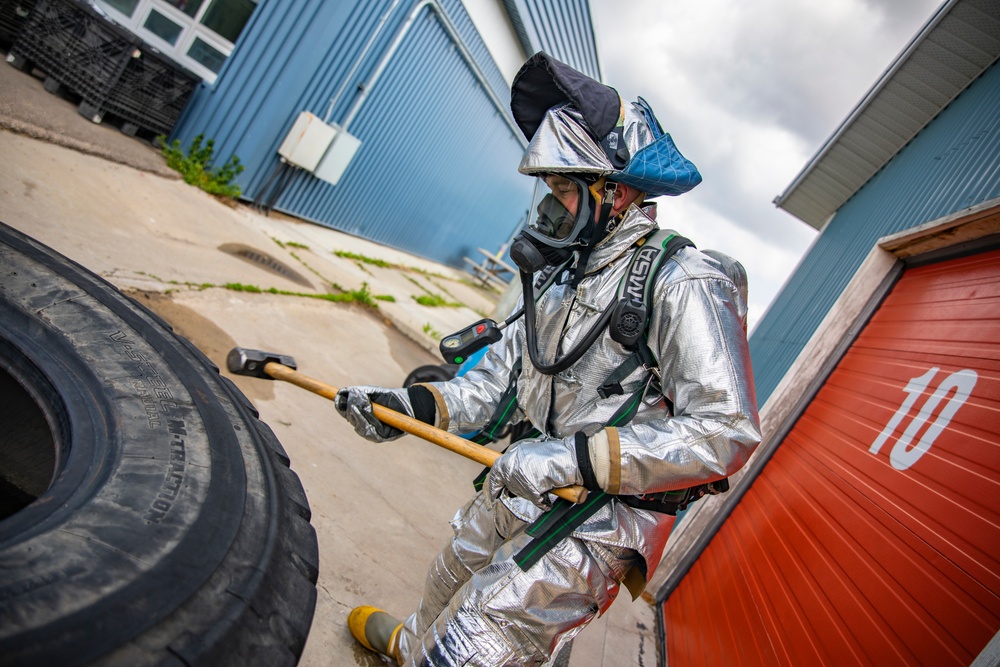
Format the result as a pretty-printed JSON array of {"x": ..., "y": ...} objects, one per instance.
[
  {"x": 767, "y": 263},
  {"x": 750, "y": 91}
]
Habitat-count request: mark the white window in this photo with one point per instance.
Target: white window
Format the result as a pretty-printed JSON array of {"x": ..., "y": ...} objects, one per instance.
[{"x": 198, "y": 34}]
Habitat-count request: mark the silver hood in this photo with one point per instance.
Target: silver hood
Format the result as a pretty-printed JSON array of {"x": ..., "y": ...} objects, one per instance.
[{"x": 562, "y": 143}]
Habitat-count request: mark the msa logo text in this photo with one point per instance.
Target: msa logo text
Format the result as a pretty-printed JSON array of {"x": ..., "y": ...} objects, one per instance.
[{"x": 639, "y": 270}]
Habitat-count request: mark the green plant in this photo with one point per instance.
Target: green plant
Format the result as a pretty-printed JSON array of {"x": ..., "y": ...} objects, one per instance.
[
  {"x": 430, "y": 331},
  {"x": 195, "y": 167},
  {"x": 362, "y": 258},
  {"x": 290, "y": 244},
  {"x": 429, "y": 298},
  {"x": 240, "y": 287},
  {"x": 433, "y": 301},
  {"x": 317, "y": 273},
  {"x": 441, "y": 287},
  {"x": 361, "y": 295}
]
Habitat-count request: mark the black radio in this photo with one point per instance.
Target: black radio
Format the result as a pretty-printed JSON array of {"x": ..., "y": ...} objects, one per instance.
[{"x": 457, "y": 347}]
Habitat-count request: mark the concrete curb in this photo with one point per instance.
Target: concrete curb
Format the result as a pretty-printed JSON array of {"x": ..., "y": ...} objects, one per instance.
[{"x": 59, "y": 139}]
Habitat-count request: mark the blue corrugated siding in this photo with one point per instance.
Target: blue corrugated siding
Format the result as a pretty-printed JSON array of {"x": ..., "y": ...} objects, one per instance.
[
  {"x": 952, "y": 164},
  {"x": 436, "y": 171},
  {"x": 431, "y": 177},
  {"x": 562, "y": 28}
]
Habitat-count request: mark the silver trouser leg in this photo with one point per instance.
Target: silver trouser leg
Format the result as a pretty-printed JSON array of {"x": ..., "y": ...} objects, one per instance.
[
  {"x": 505, "y": 616},
  {"x": 476, "y": 538}
]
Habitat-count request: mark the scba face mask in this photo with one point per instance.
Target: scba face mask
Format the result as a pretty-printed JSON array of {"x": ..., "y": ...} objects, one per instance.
[{"x": 556, "y": 232}]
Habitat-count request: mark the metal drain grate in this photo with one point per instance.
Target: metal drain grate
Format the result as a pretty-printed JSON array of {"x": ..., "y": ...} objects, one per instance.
[{"x": 265, "y": 261}]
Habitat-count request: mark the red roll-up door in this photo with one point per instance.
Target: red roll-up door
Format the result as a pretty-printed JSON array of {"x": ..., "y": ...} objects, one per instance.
[{"x": 873, "y": 534}]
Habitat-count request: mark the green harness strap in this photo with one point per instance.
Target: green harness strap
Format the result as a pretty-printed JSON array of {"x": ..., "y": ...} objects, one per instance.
[
  {"x": 636, "y": 284},
  {"x": 565, "y": 516}
]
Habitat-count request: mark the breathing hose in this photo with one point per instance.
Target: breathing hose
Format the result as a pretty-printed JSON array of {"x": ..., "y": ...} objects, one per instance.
[{"x": 528, "y": 291}]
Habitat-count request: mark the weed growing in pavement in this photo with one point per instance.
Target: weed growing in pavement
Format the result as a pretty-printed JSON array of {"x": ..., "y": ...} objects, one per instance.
[
  {"x": 240, "y": 287},
  {"x": 377, "y": 297},
  {"x": 317, "y": 273},
  {"x": 434, "y": 301},
  {"x": 362, "y": 295},
  {"x": 199, "y": 286},
  {"x": 441, "y": 287},
  {"x": 154, "y": 276},
  {"x": 344, "y": 254},
  {"x": 431, "y": 274},
  {"x": 195, "y": 167},
  {"x": 431, "y": 299},
  {"x": 430, "y": 331},
  {"x": 290, "y": 244}
]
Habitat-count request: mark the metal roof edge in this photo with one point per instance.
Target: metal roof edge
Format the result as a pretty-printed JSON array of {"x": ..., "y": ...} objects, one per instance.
[{"x": 862, "y": 106}]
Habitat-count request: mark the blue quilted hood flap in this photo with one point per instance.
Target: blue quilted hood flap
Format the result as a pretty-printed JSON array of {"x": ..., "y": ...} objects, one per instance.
[{"x": 658, "y": 168}]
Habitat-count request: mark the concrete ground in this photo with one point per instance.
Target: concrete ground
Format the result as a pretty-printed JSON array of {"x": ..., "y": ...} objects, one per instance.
[{"x": 381, "y": 512}]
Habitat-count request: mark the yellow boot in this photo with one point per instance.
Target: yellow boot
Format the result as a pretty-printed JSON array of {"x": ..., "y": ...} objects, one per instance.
[{"x": 375, "y": 630}]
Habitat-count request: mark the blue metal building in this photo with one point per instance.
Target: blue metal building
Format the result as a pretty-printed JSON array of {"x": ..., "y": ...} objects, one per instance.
[
  {"x": 923, "y": 143},
  {"x": 416, "y": 84}
]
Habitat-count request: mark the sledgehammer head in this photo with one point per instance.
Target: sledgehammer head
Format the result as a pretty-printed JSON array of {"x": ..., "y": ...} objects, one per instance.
[{"x": 244, "y": 361}]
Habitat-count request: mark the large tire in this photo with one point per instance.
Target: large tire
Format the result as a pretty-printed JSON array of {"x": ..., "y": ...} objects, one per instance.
[
  {"x": 172, "y": 530},
  {"x": 431, "y": 373}
]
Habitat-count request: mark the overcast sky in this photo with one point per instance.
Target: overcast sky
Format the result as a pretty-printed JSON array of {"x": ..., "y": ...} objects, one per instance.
[{"x": 750, "y": 91}]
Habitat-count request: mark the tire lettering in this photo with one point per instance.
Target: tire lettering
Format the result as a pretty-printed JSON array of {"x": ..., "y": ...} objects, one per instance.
[
  {"x": 173, "y": 479},
  {"x": 148, "y": 404},
  {"x": 156, "y": 399}
]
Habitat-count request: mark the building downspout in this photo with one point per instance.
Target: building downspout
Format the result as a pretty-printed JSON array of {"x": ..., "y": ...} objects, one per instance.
[
  {"x": 357, "y": 62},
  {"x": 456, "y": 39}
]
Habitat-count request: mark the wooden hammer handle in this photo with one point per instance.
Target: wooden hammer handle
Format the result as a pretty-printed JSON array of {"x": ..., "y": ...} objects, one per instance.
[{"x": 461, "y": 446}]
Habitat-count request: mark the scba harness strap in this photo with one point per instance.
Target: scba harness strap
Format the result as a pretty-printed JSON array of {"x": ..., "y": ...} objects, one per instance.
[
  {"x": 630, "y": 324},
  {"x": 629, "y": 328}
]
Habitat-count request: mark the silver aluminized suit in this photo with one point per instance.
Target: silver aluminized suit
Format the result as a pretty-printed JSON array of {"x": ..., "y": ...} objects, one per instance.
[{"x": 479, "y": 608}]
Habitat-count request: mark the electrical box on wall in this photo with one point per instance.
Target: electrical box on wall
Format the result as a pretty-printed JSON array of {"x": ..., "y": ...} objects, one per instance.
[
  {"x": 322, "y": 149},
  {"x": 307, "y": 141},
  {"x": 338, "y": 156}
]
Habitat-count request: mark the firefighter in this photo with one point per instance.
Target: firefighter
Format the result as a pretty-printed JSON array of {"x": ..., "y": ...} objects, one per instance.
[{"x": 647, "y": 427}]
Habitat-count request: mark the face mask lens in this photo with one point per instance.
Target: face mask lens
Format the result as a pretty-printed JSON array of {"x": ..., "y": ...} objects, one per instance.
[{"x": 554, "y": 221}]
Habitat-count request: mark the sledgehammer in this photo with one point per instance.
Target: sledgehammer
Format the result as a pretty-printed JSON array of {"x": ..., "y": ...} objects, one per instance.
[{"x": 271, "y": 366}]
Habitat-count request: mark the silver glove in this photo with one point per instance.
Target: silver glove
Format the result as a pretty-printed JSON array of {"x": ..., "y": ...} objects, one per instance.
[
  {"x": 355, "y": 405},
  {"x": 532, "y": 468}
]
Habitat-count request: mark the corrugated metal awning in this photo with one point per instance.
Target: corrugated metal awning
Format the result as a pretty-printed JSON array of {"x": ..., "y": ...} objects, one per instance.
[{"x": 957, "y": 45}]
